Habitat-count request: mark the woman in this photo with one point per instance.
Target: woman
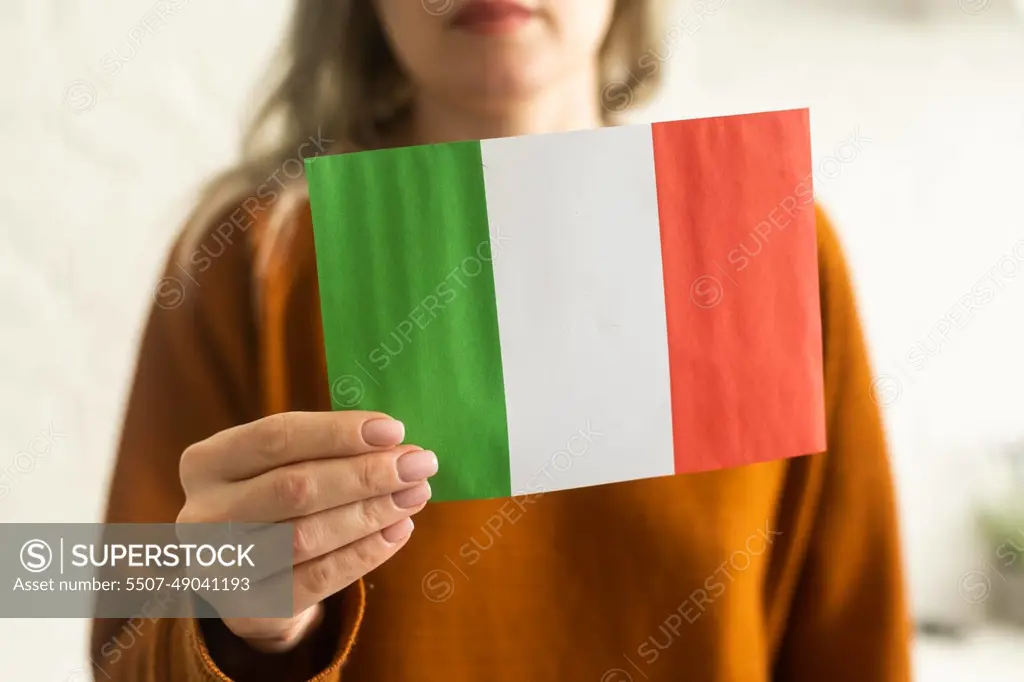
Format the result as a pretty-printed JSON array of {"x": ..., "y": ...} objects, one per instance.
[{"x": 781, "y": 571}]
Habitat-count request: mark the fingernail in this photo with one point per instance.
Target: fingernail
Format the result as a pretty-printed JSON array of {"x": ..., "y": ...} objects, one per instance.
[
  {"x": 398, "y": 531},
  {"x": 412, "y": 497},
  {"x": 416, "y": 466},
  {"x": 382, "y": 432}
]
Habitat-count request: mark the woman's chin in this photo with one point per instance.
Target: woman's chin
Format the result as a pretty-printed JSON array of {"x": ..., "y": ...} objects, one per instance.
[{"x": 495, "y": 83}]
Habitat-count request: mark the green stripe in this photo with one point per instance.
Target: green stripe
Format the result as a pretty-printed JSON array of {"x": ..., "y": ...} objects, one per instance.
[{"x": 407, "y": 297}]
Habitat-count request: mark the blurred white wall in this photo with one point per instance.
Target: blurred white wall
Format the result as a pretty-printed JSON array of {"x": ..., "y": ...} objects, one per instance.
[
  {"x": 927, "y": 208},
  {"x": 101, "y": 169}
]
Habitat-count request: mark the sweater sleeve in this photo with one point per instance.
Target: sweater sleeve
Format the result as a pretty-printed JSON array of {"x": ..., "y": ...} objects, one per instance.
[
  {"x": 196, "y": 374},
  {"x": 848, "y": 620}
]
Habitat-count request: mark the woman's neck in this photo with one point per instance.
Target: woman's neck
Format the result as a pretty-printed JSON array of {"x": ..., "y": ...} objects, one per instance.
[{"x": 572, "y": 105}]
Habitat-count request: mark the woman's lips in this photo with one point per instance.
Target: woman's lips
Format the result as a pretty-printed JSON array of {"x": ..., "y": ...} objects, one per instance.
[{"x": 492, "y": 16}]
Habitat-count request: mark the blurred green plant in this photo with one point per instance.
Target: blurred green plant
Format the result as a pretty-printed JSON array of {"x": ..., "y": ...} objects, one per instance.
[
  {"x": 1002, "y": 526},
  {"x": 1003, "y": 534}
]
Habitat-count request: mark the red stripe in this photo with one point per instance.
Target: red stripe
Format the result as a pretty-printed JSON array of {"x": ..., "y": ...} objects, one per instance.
[{"x": 741, "y": 288}]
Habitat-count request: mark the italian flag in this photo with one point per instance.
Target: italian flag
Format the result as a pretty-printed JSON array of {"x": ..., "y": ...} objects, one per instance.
[{"x": 555, "y": 311}]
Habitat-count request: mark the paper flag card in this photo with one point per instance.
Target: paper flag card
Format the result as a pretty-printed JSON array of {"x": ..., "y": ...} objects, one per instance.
[{"x": 554, "y": 311}]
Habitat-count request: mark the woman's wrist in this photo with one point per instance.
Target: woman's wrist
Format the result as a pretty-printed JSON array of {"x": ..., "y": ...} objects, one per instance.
[
  {"x": 300, "y": 629},
  {"x": 302, "y": 656}
]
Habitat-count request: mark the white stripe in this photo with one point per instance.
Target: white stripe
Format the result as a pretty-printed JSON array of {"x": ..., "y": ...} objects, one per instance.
[{"x": 581, "y": 307}]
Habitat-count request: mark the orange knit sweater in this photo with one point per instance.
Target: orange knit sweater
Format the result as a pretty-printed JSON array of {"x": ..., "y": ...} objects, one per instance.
[{"x": 787, "y": 570}]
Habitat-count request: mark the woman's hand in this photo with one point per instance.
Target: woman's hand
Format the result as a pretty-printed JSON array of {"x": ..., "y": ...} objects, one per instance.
[{"x": 342, "y": 478}]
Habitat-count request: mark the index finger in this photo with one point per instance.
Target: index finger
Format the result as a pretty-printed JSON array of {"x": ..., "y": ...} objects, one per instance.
[{"x": 249, "y": 450}]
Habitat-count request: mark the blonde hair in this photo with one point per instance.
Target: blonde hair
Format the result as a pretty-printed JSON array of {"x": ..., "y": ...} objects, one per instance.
[{"x": 339, "y": 82}]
